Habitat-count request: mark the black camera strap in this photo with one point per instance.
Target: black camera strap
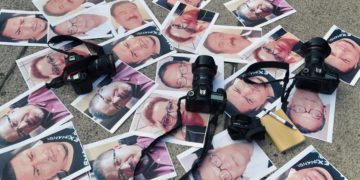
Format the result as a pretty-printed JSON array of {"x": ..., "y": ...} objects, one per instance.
[
  {"x": 268, "y": 64},
  {"x": 80, "y": 62}
]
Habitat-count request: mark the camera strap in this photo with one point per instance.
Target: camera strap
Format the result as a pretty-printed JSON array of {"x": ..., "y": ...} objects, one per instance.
[
  {"x": 65, "y": 43},
  {"x": 249, "y": 72}
]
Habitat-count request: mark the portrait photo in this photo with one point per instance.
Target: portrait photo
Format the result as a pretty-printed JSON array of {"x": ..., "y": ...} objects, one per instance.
[
  {"x": 228, "y": 159},
  {"x": 56, "y": 155},
  {"x": 90, "y": 24},
  {"x": 46, "y": 65},
  {"x": 174, "y": 73},
  {"x": 23, "y": 28},
  {"x": 127, "y": 15},
  {"x": 277, "y": 45},
  {"x": 228, "y": 41},
  {"x": 141, "y": 47},
  {"x": 309, "y": 164},
  {"x": 253, "y": 99},
  {"x": 258, "y": 13},
  {"x": 158, "y": 115},
  {"x": 186, "y": 25},
  {"x": 117, "y": 158},
  {"x": 169, "y": 4},
  {"x": 30, "y": 114},
  {"x": 345, "y": 55},
  {"x": 312, "y": 113},
  {"x": 57, "y": 11},
  {"x": 115, "y": 98}
]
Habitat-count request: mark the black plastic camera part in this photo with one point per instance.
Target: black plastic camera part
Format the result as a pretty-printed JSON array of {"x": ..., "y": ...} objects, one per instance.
[
  {"x": 243, "y": 127},
  {"x": 314, "y": 76},
  {"x": 81, "y": 71},
  {"x": 202, "y": 98}
]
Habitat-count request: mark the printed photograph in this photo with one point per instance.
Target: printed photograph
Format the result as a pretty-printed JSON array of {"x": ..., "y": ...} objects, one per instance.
[
  {"x": 90, "y": 24},
  {"x": 158, "y": 115},
  {"x": 46, "y": 65},
  {"x": 174, "y": 73},
  {"x": 118, "y": 157},
  {"x": 186, "y": 25},
  {"x": 130, "y": 14},
  {"x": 345, "y": 54},
  {"x": 258, "y": 13},
  {"x": 23, "y": 28},
  {"x": 312, "y": 113},
  {"x": 228, "y": 159},
  {"x": 277, "y": 45},
  {"x": 228, "y": 41},
  {"x": 309, "y": 164},
  {"x": 57, "y": 11},
  {"x": 58, "y": 155},
  {"x": 115, "y": 98},
  {"x": 169, "y": 4},
  {"x": 253, "y": 99},
  {"x": 141, "y": 47},
  {"x": 30, "y": 114}
]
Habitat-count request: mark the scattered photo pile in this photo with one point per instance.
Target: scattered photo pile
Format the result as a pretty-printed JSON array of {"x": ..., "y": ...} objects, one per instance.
[
  {"x": 39, "y": 141},
  {"x": 309, "y": 164}
]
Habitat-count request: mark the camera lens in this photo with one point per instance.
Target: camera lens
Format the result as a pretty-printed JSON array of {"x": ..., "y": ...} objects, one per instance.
[
  {"x": 204, "y": 70},
  {"x": 316, "y": 50},
  {"x": 102, "y": 65}
]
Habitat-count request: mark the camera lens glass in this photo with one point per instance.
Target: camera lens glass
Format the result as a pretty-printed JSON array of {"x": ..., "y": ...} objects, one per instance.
[{"x": 316, "y": 50}]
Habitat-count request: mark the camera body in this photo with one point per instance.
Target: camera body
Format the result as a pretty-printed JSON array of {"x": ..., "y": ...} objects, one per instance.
[
  {"x": 82, "y": 71},
  {"x": 315, "y": 77},
  {"x": 202, "y": 98}
]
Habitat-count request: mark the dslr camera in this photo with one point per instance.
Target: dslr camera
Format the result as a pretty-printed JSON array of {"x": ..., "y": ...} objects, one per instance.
[
  {"x": 81, "y": 71},
  {"x": 202, "y": 98},
  {"x": 315, "y": 76}
]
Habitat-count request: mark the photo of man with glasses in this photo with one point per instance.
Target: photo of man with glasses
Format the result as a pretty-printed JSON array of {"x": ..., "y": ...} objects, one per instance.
[
  {"x": 186, "y": 26},
  {"x": 30, "y": 116},
  {"x": 228, "y": 159},
  {"x": 254, "y": 12},
  {"x": 312, "y": 113},
  {"x": 176, "y": 73},
  {"x": 94, "y": 24},
  {"x": 158, "y": 115},
  {"x": 114, "y": 97},
  {"x": 120, "y": 160}
]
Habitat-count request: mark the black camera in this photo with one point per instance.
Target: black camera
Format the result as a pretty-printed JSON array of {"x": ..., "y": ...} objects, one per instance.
[
  {"x": 315, "y": 76},
  {"x": 246, "y": 127},
  {"x": 80, "y": 71},
  {"x": 202, "y": 98}
]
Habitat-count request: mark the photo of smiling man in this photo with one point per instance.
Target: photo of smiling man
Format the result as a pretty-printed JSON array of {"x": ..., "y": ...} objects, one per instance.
[
  {"x": 117, "y": 157},
  {"x": 345, "y": 54},
  {"x": 57, "y": 11},
  {"x": 23, "y": 28},
  {"x": 58, "y": 155},
  {"x": 29, "y": 115},
  {"x": 140, "y": 48},
  {"x": 127, "y": 15}
]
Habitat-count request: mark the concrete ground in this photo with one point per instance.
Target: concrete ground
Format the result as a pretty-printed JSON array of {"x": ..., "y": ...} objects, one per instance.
[{"x": 313, "y": 18}]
